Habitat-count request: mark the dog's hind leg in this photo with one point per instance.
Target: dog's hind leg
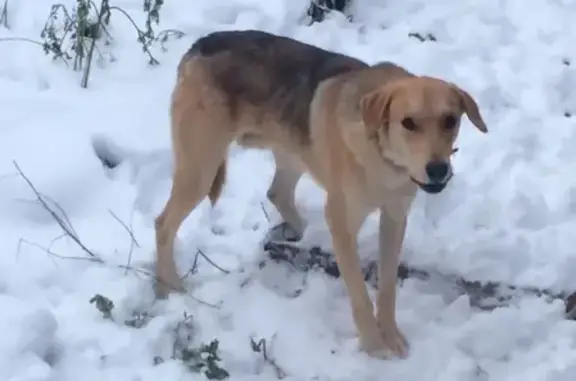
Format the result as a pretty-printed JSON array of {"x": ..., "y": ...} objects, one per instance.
[
  {"x": 281, "y": 194},
  {"x": 199, "y": 171}
]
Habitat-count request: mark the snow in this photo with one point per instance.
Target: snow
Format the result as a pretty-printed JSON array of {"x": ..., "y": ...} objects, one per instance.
[{"x": 508, "y": 216}]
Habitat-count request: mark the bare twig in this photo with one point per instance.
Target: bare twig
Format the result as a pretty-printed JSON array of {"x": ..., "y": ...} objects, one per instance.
[
  {"x": 265, "y": 212},
  {"x": 149, "y": 274},
  {"x": 63, "y": 225},
  {"x": 4, "y": 16},
  {"x": 194, "y": 269},
  {"x": 22, "y": 241},
  {"x": 63, "y": 214},
  {"x": 141, "y": 35},
  {"x": 212, "y": 262},
  {"x": 58, "y": 238},
  {"x": 69, "y": 232},
  {"x": 133, "y": 241},
  {"x": 21, "y": 39}
]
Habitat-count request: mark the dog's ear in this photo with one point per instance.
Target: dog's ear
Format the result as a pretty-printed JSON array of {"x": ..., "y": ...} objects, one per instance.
[
  {"x": 470, "y": 107},
  {"x": 375, "y": 107}
]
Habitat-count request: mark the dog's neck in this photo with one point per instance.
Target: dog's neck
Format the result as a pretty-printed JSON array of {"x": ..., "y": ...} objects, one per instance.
[
  {"x": 400, "y": 170},
  {"x": 391, "y": 166},
  {"x": 367, "y": 152}
]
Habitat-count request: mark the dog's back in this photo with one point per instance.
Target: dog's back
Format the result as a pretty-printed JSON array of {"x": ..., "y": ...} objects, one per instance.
[{"x": 268, "y": 76}]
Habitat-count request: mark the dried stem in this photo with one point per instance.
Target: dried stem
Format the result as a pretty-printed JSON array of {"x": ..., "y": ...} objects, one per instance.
[
  {"x": 103, "y": 12},
  {"x": 133, "y": 241},
  {"x": 66, "y": 228},
  {"x": 212, "y": 262},
  {"x": 141, "y": 35},
  {"x": 68, "y": 231},
  {"x": 4, "y": 15}
]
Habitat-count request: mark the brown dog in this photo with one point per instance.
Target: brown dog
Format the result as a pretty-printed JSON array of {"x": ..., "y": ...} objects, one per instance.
[{"x": 370, "y": 136}]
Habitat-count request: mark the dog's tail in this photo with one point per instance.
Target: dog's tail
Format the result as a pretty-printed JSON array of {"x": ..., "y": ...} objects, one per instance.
[
  {"x": 109, "y": 154},
  {"x": 218, "y": 183}
]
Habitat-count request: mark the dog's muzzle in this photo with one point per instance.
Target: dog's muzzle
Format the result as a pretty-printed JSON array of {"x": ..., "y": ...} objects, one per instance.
[
  {"x": 439, "y": 173},
  {"x": 433, "y": 188}
]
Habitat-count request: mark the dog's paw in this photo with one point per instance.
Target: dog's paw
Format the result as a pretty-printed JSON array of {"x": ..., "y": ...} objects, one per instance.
[
  {"x": 162, "y": 290},
  {"x": 374, "y": 347},
  {"x": 283, "y": 232},
  {"x": 167, "y": 282},
  {"x": 390, "y": 343},
  {"x": 394, "y": 340}
]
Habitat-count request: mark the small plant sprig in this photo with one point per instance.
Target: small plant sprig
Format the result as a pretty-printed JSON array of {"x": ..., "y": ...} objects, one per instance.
[
  {"x": 67, "y": 34},
  {"x": 152, "y": 9},
  {"x": 146, "y": 37},
  {"x": 198, "y": 359},
  {"x": 205, "y": 359},
  {"x": 261, "y": 346},
  {"x": 104, "y": 305}
]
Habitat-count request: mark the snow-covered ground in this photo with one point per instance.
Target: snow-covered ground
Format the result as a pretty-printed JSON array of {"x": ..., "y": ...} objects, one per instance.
[{"x": 509, "y": 214}]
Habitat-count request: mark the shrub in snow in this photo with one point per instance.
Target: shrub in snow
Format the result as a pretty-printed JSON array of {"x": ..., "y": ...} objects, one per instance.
[
  {"x": 319, "y": 8},
  {"x": 204, "y": 358},
  {"x": 77, "y": 36}
]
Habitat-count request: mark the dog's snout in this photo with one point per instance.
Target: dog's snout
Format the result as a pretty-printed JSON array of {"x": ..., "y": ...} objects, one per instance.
[{"x": 437, "y": 171}]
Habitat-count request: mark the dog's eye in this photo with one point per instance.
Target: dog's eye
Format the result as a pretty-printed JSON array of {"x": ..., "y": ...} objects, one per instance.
[
  {"x": 450, "y": 122},
  {"x": 409, "y": 124}
]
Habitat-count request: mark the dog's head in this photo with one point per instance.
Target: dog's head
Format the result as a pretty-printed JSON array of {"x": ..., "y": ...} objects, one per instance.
[{"x": 414, "y": 123}]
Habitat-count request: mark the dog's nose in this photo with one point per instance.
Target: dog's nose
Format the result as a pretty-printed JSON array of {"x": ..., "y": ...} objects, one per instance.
[{"x": 437, "y": 171}]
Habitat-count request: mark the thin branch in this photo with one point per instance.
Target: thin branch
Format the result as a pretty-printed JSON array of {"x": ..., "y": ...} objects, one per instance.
[
  {"x": 133, "y": 241},
  {"x": 21, "y": 39},
  {"x": 194, "y": 267},
  {"x": 104, "y": 9},
  {"x": 265, "y": 212},
  {"x": 58, "y": 238},
  {"x": 69, "y": 232},
  {"x": 66, "y": 229},
  {"x": 4, "y": 15},
  {"x": 141, "y": 34},
  {"x": 63, "y": 214},
  {"x": 22, "y": 241},
  {"x": 128, "y": 230},
  {"x": 212, "y": 262},
  {"x": 148, "y": 273}
]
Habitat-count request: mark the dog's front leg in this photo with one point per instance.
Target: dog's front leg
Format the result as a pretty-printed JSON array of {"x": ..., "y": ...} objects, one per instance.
[
  {"x": 391, "y": 237},
  {"x": 345, "y": 222}
]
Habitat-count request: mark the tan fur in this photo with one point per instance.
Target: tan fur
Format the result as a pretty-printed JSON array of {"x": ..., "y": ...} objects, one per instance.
[{"x": 359, "y": 152}]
